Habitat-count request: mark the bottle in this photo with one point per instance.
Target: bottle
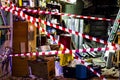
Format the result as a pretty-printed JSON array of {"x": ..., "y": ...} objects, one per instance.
[
  {"x": 20, "y": 2},
  {"x": 31, "y": 3}
]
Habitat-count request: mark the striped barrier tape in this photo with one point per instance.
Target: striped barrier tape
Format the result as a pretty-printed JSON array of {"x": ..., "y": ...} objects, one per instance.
[
  {"x": 91, "y": 69},
  {"x": 54, "y": 52},
  {"x": 62, "y": 14},
  {"x": 26, "y": 16},
  {"x": 65, "y": 29}
]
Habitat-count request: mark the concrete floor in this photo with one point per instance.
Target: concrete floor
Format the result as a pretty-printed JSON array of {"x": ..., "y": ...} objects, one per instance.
[{"x": 9, "y": 77}]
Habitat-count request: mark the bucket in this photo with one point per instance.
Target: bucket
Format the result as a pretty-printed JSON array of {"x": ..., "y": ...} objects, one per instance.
[{"x": 81, "y": 72}]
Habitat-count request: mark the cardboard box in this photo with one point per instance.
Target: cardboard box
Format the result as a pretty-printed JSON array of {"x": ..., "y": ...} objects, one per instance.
[
  {"x": 43, "y": 69},
  {"x": 20, "y": 67}
]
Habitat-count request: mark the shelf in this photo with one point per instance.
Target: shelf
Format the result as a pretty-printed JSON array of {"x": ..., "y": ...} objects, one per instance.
[{"x": 4, "y": 27}]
